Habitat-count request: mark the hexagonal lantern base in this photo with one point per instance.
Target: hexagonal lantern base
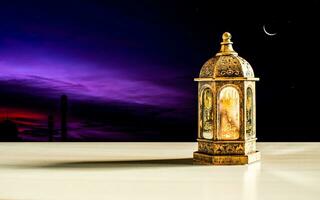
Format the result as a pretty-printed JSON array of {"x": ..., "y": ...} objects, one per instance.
[{"x": 206, "y": 159}]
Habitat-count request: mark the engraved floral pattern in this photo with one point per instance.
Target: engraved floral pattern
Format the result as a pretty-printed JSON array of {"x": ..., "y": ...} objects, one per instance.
[
  {"x": 207, "y": 69},
  {"x": 229, "y": 148},
  {"x": 221, "y": 148},
  {"x": 205, "y": 147},
  {"x": 228, "y": 66}
]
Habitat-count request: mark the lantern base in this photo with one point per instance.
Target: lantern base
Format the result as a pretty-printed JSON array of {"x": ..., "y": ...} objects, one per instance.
[{"x": 206, "y": 159}]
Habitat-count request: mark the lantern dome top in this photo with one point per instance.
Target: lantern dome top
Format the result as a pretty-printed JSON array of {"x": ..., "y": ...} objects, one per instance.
[{"x": 226, "y": 63}]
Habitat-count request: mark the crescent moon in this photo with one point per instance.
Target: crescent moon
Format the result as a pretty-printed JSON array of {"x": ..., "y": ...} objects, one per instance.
[{"x": 266, "y": 32}]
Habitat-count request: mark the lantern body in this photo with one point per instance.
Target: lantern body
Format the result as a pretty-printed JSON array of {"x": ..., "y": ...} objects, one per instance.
[{"x": 226, "y": 109}]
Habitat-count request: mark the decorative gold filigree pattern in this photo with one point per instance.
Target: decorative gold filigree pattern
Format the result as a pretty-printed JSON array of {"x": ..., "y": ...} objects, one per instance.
[
  {"x": 204, "y": 159},
  {"x": 207, "y": 69},
  {"x": 227, "y": 149},
  {"x": 221, "y": 148},
  {"x": 205, "y": 147},
  {"x": 228, "y": 66}
]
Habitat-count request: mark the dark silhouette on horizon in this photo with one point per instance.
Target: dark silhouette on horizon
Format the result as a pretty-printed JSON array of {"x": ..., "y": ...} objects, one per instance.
[
  {"x": 64, "y": 111},
  {"x": 9, "y": 131},
  {"x": 50, "y": 127}
]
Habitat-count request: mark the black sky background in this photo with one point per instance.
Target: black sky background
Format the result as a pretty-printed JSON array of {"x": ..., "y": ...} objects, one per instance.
[
  {"x": 287, "y": 95},
  {"x": 189, "y": 34}
]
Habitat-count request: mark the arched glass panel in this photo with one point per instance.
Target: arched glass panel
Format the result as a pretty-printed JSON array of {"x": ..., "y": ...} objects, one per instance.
[
  {"x": 249, "y": 112},
  {"x": 206, "y": 114},
  {"x": 228, "y": 114}
]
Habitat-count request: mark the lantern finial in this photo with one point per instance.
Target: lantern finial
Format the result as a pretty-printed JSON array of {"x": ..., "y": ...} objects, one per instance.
[
  {"x": 226, "y": 37},
  {"x": 226, "y": 45}
]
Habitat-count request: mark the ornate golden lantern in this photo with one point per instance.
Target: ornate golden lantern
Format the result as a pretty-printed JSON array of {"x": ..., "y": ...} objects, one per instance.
[{"x": 227, "y": 111}]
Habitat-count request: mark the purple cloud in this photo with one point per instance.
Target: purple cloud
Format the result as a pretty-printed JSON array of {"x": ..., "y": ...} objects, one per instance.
[{"x": 83, "y": 79}]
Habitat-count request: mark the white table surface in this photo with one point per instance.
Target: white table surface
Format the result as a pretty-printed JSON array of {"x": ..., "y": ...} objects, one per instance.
[{"x": 164, "y": 171}]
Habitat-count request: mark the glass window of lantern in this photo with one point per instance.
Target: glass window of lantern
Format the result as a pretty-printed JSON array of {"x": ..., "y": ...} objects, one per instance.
[
  {"x": 206, "y": 114},
  {"x": 249, "y": 112},
  {"x": 228, "y": 114}
]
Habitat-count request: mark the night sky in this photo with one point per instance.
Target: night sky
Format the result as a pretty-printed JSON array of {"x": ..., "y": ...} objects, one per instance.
[{"x": 127, "y": 67}]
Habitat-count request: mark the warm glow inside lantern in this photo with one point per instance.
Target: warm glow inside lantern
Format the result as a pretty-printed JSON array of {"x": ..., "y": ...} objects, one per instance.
[{"x": 226, "y": 104}]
